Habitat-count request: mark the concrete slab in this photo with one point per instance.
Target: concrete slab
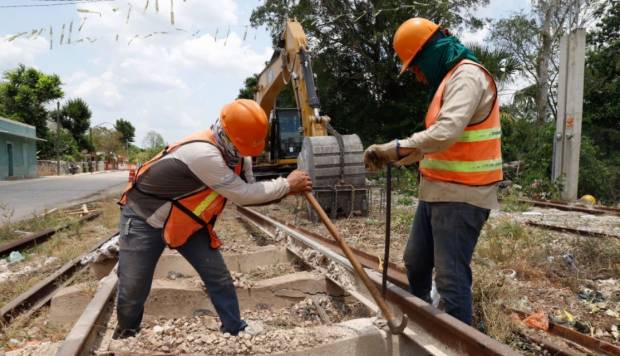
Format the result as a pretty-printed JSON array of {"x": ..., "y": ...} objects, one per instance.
[
  {"x": 181, "y": 297},
  {"x": 362, "y": 338},
  {"x": 68, "y": 304},
  {"x": 172, "y": 261},
  {"x": 175, "y": 298}
]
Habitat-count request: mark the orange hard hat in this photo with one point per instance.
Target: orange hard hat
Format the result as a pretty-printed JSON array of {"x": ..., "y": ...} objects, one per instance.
[
  {"x": 245, "y": 123},
  {"x": 410, "y": 37}
]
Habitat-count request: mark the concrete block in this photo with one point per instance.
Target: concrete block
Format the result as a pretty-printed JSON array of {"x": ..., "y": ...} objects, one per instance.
[
  {"x": 175, "y": 298},
  {"x": 103, "y": 268},
  {"x": 68, "y": 304},
  {"x": 360, "y": 337},
  {"x": 172, "y": 261}
]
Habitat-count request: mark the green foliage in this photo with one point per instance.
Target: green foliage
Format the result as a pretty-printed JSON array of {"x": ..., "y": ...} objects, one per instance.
[
  {"x": 600, "y": 160},
  {"x": 126, "y": 129},
  {"x": 24, "y": 92},
  {"x": 499, "y": 62},
  {"x": 75, "y": 117},
  {"x": 354, "y": 62},
  {"x": 249, "y": 88},
  {"x": 106, "y": 141}
]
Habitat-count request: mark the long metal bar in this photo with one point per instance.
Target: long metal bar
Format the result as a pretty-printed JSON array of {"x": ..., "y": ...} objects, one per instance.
[
  {"x": 571, "y": 230},
  {"x": 38, "y": 237},
  {"x": 566, "y": 207},
  {"x": 396, "y": 327},
  {"x": 439, "y": 325},
  {"x": 388, "y": 225}
]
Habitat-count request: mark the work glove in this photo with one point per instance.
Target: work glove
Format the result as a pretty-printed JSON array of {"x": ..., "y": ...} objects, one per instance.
[{"x": 377, "y": 156}]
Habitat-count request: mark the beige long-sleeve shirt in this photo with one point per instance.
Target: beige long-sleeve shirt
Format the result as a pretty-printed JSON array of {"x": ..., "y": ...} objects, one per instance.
[{"x": 467, "y": 99}]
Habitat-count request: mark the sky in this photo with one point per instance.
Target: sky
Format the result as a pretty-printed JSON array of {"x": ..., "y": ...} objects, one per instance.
[{"x": 127, "y": 60}]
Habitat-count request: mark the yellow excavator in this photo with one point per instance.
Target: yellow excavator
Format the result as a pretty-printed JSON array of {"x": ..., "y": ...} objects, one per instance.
[{"x": 302, "y": 137}]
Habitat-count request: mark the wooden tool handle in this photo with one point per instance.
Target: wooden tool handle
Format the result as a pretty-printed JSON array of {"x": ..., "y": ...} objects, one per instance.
[{"x": 376, "y": 295}]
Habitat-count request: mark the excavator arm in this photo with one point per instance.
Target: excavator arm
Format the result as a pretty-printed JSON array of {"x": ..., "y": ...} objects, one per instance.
[
  {"x": 333, "y": 161},
  {"x": 290, "y": 63}
]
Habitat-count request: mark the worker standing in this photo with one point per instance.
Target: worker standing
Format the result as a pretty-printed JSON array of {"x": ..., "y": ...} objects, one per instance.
[
  {"x": 174, "y": 201},
  {"x": 460, "y": 162}
]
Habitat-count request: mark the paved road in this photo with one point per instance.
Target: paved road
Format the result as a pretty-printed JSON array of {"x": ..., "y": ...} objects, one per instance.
[{"x": 32, "y": 196}]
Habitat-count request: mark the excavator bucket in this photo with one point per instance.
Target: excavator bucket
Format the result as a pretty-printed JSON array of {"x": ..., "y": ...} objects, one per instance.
[{"x": 336, "y": 166}]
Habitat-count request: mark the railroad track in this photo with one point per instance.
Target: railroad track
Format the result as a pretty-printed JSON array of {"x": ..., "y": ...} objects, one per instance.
[
  {"x": 36, "y": 238},
  {"x": 41, "y": 293},
  {"x": 429, "y": 331}
]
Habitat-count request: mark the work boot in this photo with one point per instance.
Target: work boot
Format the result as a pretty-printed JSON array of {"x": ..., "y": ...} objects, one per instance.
[{"x": 124, "y": 333}]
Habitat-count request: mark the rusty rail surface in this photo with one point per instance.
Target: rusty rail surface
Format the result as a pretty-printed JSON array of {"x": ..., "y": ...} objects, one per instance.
[
  {"x": 598, "y": 210},
  {"x": 42, "y": 292},
  {"x": 571, "y": 230},
  {"x": 38, "y": 237},
  {"x": 461, "y": 338}
]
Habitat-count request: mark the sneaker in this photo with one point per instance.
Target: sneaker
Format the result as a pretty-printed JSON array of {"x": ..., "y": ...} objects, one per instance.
[{"x": 124, "y": 333}]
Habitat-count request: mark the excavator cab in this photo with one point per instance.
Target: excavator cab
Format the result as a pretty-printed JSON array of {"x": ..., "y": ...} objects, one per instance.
[{"x": 287, "y": 132}]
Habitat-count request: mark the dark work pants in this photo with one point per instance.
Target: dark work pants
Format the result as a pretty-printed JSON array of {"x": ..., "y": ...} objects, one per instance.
[
  {"x": 444, "y": 236},
  {"x": 140, "y": 248}
]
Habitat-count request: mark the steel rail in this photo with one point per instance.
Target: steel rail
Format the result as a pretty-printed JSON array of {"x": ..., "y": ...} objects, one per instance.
[
  {"x": 461, "y": 338},
  {"x": 33, "y": 239},
  {"x": 42, "y": 292},
  {"x": 571, "y": 230},
  {"x": 85, "y": 330}
]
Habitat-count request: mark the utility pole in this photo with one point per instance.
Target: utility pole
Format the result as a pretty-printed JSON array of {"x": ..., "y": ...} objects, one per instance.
[
  {"x": 567, "y": 142},
  {"x": 57, "y": 138}
]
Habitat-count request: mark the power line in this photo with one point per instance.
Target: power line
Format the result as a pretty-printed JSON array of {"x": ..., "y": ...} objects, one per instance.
[{"x": 62, "y": 3}]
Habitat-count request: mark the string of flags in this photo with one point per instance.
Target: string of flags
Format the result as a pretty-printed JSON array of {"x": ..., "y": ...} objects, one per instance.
[{"x": 66, "y": 30}]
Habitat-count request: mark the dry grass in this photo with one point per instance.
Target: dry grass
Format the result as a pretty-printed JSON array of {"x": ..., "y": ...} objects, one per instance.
[
  {"x": 64, "y": 246},
  {"x": 491, "y": 294}
]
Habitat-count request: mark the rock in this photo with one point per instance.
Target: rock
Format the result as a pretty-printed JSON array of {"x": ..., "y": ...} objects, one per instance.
[{"x": 158, "y": 329}]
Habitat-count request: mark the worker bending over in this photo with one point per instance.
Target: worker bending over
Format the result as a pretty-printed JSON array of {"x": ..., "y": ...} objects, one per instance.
[
  {"x": 460, "y": 162},
  {"x": 174, "y": 201}
]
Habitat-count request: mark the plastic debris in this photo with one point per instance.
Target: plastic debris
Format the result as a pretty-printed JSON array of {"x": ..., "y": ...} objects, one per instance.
[
  {"x": 612, "y": 313},
  {"x": 615, "y": 332},
  {"x": 582, "y": 327},
  {"x": 108, "y": 250},
  {"x": 569, "y": 317},
  {"x": 590, "y": 295},
  {"x": 16, "y": 256},
  {"x": 537, "y": 320}
]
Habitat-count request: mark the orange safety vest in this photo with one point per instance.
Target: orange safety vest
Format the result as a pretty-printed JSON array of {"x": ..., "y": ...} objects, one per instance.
[
  {"x": 476, "y": 157},
  {"x": 188, "y": 213}
]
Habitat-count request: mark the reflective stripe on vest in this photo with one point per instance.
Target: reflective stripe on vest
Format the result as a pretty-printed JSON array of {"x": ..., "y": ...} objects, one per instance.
[
  {"x": 200, "y": 208},
  {"x": 480, "y": 135},
  {"x": 475, "y": 158},
  {"x": 462, "y": 166}
]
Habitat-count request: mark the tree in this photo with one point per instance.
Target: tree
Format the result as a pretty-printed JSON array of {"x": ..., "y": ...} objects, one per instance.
[
  {"x": 153, "y": 141},
  {"x": 126, "y": 129},
  {"x": 107, "y": 141},
  {"x": 24, "y": 93},
  {"x": 75, "y": 117},
  {"x": 248, "y": 90},
  {"x": 353, "y": 59},
  {"x": 533, "y": 38}
]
